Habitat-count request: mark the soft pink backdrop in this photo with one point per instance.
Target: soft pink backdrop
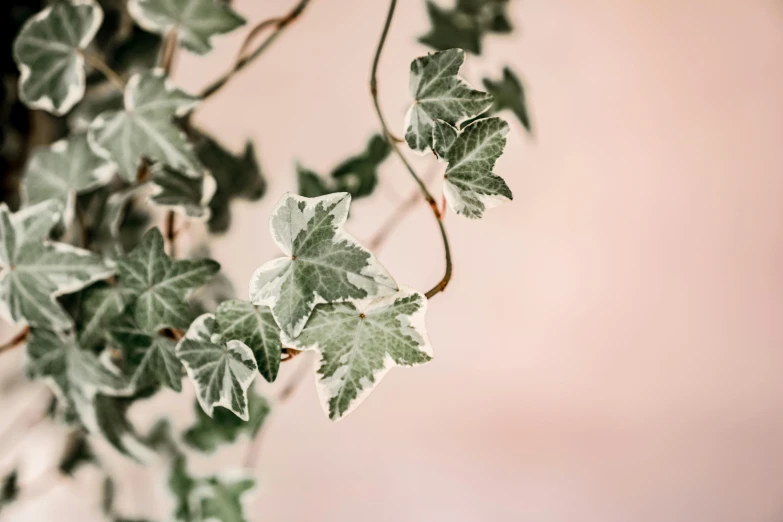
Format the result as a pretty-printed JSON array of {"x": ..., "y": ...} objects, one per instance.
[{"x": 611, "y": 346}]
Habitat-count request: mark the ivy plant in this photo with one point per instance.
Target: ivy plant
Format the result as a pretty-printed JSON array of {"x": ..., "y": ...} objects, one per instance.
[{"x": 112, "y": 308}]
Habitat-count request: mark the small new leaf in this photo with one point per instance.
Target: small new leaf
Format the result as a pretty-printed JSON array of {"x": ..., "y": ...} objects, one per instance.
[
  {"x": 470, "y": 186},
  {"x": 322, "y": 263},
  {"x": 196, "y": 22},
  {"x": 145, "y": 128},
  {"x": 509, "y": 94},
  {"x": 224, "y": 427},
  {"x": 221, "y": 370},
  {"x": 183, "y": 194},
  {"x": 161, "y": 284},
  {"x": 48, "y": 51},
  {"x": 360, "y": 341},
  {"x": 439, "y": 94},
  {"x": 255, "y": 327},
  {"x": 62, "y": 170},
  {"x": 33, "y": 272}
]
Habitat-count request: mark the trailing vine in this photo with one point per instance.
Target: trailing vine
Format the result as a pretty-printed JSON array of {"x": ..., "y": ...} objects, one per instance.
[{"x": 108, "y": 309}]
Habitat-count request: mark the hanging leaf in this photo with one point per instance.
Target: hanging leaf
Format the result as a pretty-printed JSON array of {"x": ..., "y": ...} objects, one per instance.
[
  {"x": 359, "y": 341},
  {"x": 33, "y": 272},
  {"x": 224, "y": 427},
  {"x": 185, "y": 195},
  {"x": 106, "y": 417},
  {"x": 48, "y": 51},
  {"x": 161, "y": 284},
  {"x": 470, "y": 186},
  {"x": 490, "y": 15},
  {"x": 236, "y": 177},
  {"x": 62, "y": 170},
  {"x": 509, "y": 94},
  {"x": 322, "y": 263},
  {"x": 101, "y": 305},
  {"x": 439, "y": 94},
  {"x": 310, "y": 184},
  {"x": 451, "y": 28},
  {"x": 255, "y": 327},
  {"x": 221, "y": 370},
  {"x": 221, "y": 499},
  {"x": 359, "y": 175},
  {"x": 195, "y": 21},
  {"x": 150, "y": 359},
  {"x": 145, "y": 128}
]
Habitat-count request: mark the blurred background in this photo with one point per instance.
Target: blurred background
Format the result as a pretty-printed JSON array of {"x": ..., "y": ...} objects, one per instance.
[{"x": 611, "y": 346}]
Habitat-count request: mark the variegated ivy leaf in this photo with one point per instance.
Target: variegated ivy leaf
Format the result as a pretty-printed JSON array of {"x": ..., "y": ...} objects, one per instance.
[
  {"x": 101, "y": 305},
  {"x": 74, "y": 374},
  {"x": 185, "y": 195},
  {"x": 33, "y": 272},
  {"x": 106, "y": 416},
  {"x": 224, "y": 427},
  {"x": 255, "y": 327},
  {"x": 220, "y": 499},
  {"x": 221, "y": 370},
  {"x": 150, "y": 359},
  {"x": 48, "y": 51},
  {"x": 470, "y": 186},
  {"x": 195, "y": 21},
  {"x": 322, "y": 263},
  {"x": 161, "y": 285},
  {"x": 439, "y": 94},
  {"x": 359, "y": 341},
  {"x": 145, "y": 128},
  {"x": 64, "y": 169}
]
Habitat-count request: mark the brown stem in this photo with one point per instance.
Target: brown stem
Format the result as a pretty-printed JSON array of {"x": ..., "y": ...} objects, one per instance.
[
  {"x": 425, "y": 192},
  {"x": 107, "y": 71},
  {"x": 16, "y": 340},
  {"x": 168, "y": 51},
  {"x": 243, "y": 58},
  {"x": 170, "y": 234}
]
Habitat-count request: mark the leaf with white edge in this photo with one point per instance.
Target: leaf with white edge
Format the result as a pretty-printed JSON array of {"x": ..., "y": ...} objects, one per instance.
[
  {"x": 196, "y": 22},
  {"x": 322, "y": 263},
  {"x": 224, "y": 427},
  {"x": 470, "y": 186},
  {"x": 440, "y": 94},
  {"x": 33, "y": 272},
  {"x": 162, "y": 284},
  {"x": 48, "y": 51},
  {"x": 146, "y": 128},
  {"x": 62, "y": 170},
  {"x": 183, "y": 194},
  {"x": 101, "y": 305},
  {"x": 220, "y": 499},
  {"x": 150, "y": 358},
  {"x": 71, "y": 372},
  {"x": 107, "y": 237},
  {"x": 221, "y": 370},
  {"x": 255, "y": 327},
  {"x": 360, "y": 341},
  {"x": 443, "y": 137},
  {"x": 106, "y": 417}
]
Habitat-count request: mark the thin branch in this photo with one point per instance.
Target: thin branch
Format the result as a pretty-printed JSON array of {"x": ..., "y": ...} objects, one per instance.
[
  {"x": 170, "y": 233},
  {"x": 168, "y": 51},
  {"x": 244, "y": 58},
  {"x": 107, "y": 71},
  {"x": 16, "y": 340},
  {"x": 393, "y": 142}
]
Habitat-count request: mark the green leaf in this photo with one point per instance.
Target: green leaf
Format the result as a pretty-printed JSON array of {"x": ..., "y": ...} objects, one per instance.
[
  {"x": 322, "y": 263},
  {"x": 236, "y": 177},
  {"x": 48, "y": 51},
  {"x": 183, "y": 194},
  {"x": 310, "y": 184},
  {"x": 439, "y": 94},
  {"x": 33, "y": 272},
  {"x": 490, "y": 15},
  {"x": 196, "y": 21},
  {"x": 62, "y": 170},
  {"x": 451, "y": 28},
  {"x": 359, "y": 341},
  {"x": 220, "y": 499},
  {"x": 9, "y": 488},
  {"x": 161, "y": 284},
  {"x": 101, "y": 306},
  {"x": 106, "y": 417},
  {"x": 221, "y": 370},
  {"x": 509, "y": 94},
  {"x": 115, "y": 225},
  {"x": 359, "y": 175},
  {"x": 470, "y": 186},
  {"x": 224, "y": 427},
  {"x": 150, "y": 358},
  {"x": 74, "y": 374},
  {"x": 255, "y": 327},
  {"x": 145, "y": 128}
]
